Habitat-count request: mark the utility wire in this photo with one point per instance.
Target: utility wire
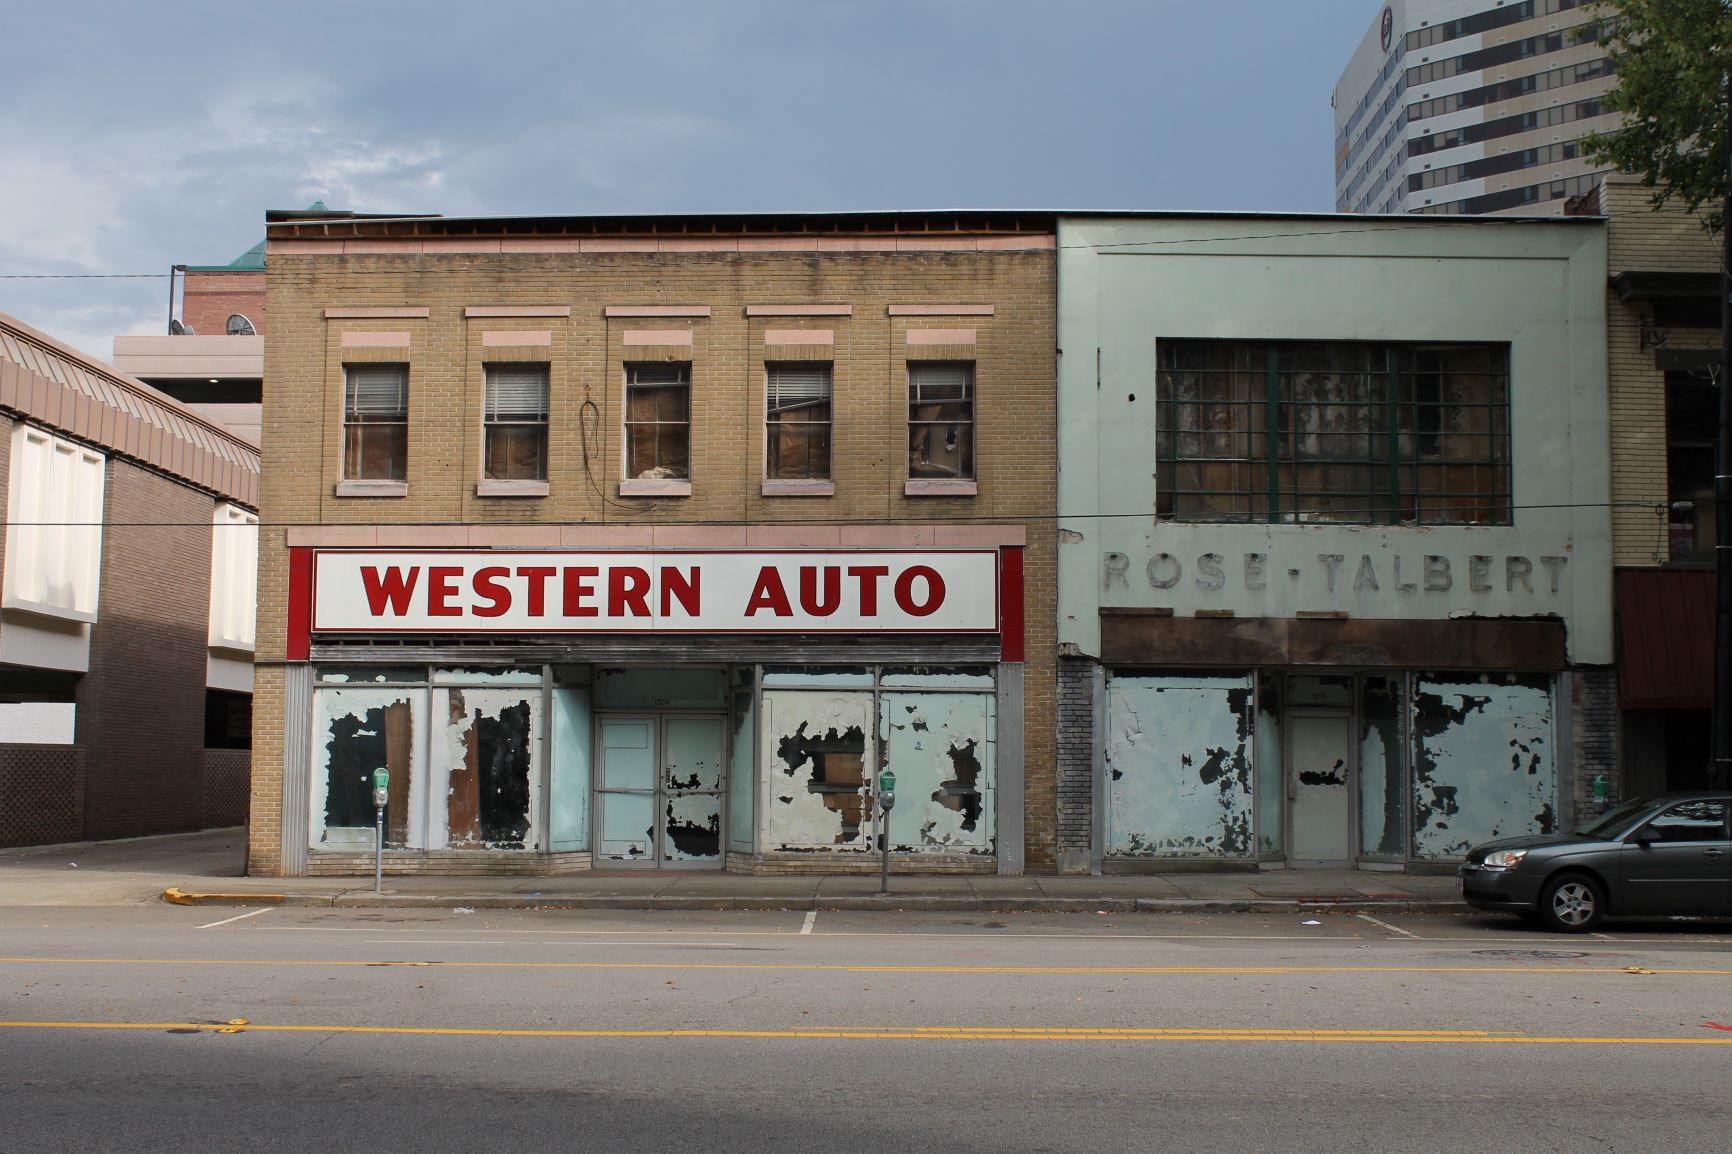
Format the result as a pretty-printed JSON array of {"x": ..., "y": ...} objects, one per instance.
[{"x": 992, "y": 518}]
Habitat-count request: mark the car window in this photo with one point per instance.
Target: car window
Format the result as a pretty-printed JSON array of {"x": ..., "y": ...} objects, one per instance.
[
  {"x": 1690, "y": 821},
  {"x": 1614, "y": 821}
]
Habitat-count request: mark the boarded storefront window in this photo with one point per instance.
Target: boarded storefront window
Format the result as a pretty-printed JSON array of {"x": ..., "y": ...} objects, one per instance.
[
  {"x": 1485, "y": 764},
  {"x": 1179, "y": 757},
  {"x": 489, "y": 743},
  {"x": 941, "y": 747},
  {"x": 822, "y": 746},
  {"x": 815, "y": 759},
  {"x": 360, "y": 731},
  {"x": 1382, "y": 769}
]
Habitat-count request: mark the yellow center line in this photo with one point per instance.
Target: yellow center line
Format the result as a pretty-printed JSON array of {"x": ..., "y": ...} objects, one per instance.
[
  {"x": 858, "y": 968},
  {"x": 929, "y": 1033}
]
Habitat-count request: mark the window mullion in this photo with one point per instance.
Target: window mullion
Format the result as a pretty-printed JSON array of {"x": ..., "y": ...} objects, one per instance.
[
  {"x": 1392, "y": 406},
  {"x": 1273, "y": 424}
]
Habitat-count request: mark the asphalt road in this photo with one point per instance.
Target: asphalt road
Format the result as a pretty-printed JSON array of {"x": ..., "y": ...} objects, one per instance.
[{"x": 220, "y": 1029}]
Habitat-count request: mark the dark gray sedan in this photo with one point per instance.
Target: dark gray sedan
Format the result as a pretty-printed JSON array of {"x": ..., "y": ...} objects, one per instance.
[{"x": 1649, "y": 857}]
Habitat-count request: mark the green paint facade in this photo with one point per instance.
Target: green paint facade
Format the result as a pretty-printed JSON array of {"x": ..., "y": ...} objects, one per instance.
[{"x": 1335, "y": 545}]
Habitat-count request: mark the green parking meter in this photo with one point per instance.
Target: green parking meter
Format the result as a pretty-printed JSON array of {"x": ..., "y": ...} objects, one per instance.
[
  {"x": 381, "y": 795},
  {"x": 886, "y": 802}
]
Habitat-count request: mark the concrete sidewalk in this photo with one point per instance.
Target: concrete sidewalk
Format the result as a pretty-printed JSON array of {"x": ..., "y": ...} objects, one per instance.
[{"x": 204, "y": 869}]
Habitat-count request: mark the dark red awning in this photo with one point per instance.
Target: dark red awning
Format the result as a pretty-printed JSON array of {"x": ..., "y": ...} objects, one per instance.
[{"x": 1665, "y": 638}]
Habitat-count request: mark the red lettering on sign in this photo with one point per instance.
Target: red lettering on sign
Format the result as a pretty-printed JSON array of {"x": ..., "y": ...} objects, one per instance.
[
  {"x": 577, "y": 588},
  {"x": 537, "y": 575},
  {"x": 682, "y": 587},
  {"x": 441, "y": 588},
  {"x": 832, "y": 596},
  {"x": 868, "y": 588},
  {"x": 628, "y": 588},
  {"x": 489, "y": 587},
  {"x": 392, "y": 589},
  {"x": 768, "y": 593},
  {"x": 905, "y": 591}
]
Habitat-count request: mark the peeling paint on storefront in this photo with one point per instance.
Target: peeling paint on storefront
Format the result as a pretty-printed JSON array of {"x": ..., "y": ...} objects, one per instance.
[
  {"x": 1179, "y": 757},
  {"x": 940, "y": 747},
  {"x": 1484, "y": 763},
  {"x": 815, "y": 756}
]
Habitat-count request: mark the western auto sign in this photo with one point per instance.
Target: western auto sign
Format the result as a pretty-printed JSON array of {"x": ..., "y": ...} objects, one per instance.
[{"x": 495, "y": 591}]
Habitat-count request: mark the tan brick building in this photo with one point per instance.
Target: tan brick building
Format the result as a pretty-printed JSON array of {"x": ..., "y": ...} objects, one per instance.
[
  {"x": 1663, "y": 348},
  {"x": 651, "y": 542}
]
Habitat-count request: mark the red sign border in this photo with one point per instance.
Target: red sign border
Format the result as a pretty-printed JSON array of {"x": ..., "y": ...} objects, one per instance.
[{"x": 303, "y": 595}]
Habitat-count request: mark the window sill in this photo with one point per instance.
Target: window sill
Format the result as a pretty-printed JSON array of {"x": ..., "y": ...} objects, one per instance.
[
  {"x": 372, "y": 488},
  {"x": 667, "y": 488},
  {"x": 511, "y": 488},
  {"x": 941, "y": 488},
  {"x": 44, "y": 609},
  {"x": 798, "y": 489}
]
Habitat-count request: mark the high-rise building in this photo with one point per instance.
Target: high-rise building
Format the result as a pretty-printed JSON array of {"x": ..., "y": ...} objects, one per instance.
[{"x": 1471, "y": 106}]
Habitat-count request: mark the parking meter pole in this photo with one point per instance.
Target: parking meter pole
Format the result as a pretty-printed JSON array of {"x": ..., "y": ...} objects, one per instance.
[
  {"x": 886, "y": 802},
  {"x": 381, "y": 797}
]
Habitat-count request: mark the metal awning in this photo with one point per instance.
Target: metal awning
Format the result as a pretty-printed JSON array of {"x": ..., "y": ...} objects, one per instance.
[{"x": 1665, "y": 638}]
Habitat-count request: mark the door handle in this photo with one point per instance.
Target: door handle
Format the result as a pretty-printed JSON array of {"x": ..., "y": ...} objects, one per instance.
[{"x": 1713, "y": 853}]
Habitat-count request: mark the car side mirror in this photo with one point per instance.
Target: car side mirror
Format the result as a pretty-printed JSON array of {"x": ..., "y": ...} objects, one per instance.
[{"x": 1643, "y": 837}]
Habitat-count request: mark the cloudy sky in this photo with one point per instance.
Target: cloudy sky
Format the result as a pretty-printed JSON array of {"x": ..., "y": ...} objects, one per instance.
[{"x": 143, "y": 135}]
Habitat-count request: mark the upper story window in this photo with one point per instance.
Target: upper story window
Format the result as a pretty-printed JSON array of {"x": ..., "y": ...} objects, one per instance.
[
  {"x": 658, "y": 421},
  {"x": 1333, "y": 431},
  {"x": 516, "y": 417},
  {"x": 375, "y": 422},
  {"x": 54, "y": 525},
  {"x": 234, "y": 568},
  {"x": 1692, "y": 416},
  {"x": 240, "y": 326},
  {"x": 941, "y": 420},
  {"x": 797, "y": 416}
]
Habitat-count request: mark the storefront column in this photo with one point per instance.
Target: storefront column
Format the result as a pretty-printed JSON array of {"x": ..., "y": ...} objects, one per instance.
[
  {"x": 1010, "y": 769},
  {"x": 297, "y": 761}
]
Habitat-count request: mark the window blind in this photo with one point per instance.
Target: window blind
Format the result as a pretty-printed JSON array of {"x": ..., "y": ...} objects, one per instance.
[
  {"x": 798, "y": 384},
  {"x": 517, "y": 392},
  {"x": 379, "y": 391},
  {"x": 654, "y": 373},
  {"x": 941, "y": 382}
]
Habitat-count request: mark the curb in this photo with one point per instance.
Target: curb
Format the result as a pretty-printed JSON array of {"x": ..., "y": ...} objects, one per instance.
[
  {"x": 177, "y": 896},
  {"x": 897, "y": 903}
]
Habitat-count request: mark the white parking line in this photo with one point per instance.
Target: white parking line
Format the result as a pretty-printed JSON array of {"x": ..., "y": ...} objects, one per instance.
[
  {"x": 1382, "y": 925},
  {"x": 236, "y": 918},
  {"x": 811, "y": 917}
]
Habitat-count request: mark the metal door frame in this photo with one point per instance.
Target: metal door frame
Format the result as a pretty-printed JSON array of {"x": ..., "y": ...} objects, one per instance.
[
  {"x": 657, "y": 858},
  {"x": 1290, "y": 781}
]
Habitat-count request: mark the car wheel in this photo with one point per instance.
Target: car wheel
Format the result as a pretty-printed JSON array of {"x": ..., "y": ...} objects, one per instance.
[{"x": 1572, "y": 904}]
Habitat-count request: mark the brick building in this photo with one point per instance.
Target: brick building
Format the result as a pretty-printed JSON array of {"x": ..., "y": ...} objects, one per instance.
[
  {"x": 652, "y": 541},
  {"x": 213, "y": 355},
  {"x": 1663, "y": 312},
  {"x": 127, "y": 620}
]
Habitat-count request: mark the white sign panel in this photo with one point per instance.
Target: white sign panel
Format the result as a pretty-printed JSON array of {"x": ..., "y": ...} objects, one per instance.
[{"x": 931, "y": 591}]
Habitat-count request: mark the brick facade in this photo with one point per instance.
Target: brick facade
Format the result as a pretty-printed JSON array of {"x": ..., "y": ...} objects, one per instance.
[
  {"x": 1642, "y": 239},
  {"x": 141, "y": 706},
  {"x": 1076, "y": 761},
  {"x": 209, "y": 298},
  {"x": 1595, "y": 734},
  {"x": 432, "y": 285},
  {"x": 137, "y": 765},
  {"x": 1648, "y": 750}
]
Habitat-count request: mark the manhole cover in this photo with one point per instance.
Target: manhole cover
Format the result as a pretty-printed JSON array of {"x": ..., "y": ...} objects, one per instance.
[{"x": 1548, "y": 955}]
